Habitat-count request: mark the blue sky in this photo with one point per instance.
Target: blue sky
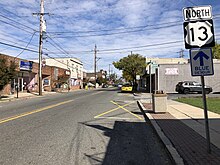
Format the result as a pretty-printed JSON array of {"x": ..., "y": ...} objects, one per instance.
[{"x": 117, "y": 27}]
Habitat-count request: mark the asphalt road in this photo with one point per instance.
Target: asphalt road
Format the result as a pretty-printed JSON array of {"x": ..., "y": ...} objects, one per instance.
[{"x": 78, "y": 128}]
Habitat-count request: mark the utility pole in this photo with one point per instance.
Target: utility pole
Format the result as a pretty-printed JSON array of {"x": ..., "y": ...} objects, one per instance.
[
  {"x": 109, "y": 71},
  {"x": 181, "y": 53},
  {"x": 95, "y": 52},
  {"x": 40, "y": 47},
  {"x": 42, "y": 23},
  {"x": 42, "y": 29},
  {"x": 150, "y": 75}
]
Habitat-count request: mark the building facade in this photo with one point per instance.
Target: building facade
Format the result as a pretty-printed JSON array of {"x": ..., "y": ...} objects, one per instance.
[
  {"x": 26, "y": 79},
  {"x": 164, "y": 74},
  {"x": 73, "y": 65}
]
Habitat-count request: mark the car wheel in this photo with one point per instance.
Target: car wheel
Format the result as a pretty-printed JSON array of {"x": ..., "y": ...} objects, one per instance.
[{"x": 186, "y": 91}]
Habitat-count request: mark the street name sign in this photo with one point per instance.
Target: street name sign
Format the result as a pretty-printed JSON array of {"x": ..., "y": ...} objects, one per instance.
[
  {"x": 201, "y": 62},
  {"x": 197, "y": 13},
  {"x": 199, "y": 34}
]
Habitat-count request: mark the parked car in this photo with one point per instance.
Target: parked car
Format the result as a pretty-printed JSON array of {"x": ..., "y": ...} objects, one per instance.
[
  {"x": 191, "y": 86},
  {"x": 119, "y": 86},
  {"x": 126, "y": 88},
  {"x": 105, "y": 86}
]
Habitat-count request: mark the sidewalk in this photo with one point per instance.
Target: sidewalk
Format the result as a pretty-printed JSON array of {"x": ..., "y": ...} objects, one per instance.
[
  {"x": 23, "y": 95},
  {"x": 182, "y": 129}
]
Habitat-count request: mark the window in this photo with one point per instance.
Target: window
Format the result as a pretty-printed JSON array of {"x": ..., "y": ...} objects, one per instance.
[{"x": 46, "y": 82}]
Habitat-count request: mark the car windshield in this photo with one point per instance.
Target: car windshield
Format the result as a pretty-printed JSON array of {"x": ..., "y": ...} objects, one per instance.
[{"x": 126, "y": 85}]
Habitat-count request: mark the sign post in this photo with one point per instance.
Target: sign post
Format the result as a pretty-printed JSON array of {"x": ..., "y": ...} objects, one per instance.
[{"x": 199, "y": 33}]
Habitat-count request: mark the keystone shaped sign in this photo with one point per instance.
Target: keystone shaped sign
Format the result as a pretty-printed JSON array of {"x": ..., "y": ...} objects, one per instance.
[{"x": 201, "y": 62}]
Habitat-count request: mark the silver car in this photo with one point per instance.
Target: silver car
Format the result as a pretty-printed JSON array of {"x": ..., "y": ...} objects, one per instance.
[{"x": 190, "y": 87}]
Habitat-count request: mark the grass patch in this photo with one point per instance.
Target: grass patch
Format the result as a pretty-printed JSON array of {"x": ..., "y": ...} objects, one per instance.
[{"x": 213, "y": 104}]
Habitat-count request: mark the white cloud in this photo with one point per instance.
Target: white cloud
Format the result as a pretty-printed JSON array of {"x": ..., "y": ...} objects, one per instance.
[{"x": 94, "y": 15}]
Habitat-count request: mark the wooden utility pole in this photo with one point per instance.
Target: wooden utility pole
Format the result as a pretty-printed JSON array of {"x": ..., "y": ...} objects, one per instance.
[
  {"x": 40, "y": 47},
  {"x": 42, "y": 28},
  {"x": 95, "y": 52}
]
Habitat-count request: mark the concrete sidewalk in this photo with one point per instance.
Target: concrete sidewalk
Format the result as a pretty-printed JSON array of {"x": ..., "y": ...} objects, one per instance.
[
  {"x": 23, "y": 95},
  {"x": 182, "y": 129}
]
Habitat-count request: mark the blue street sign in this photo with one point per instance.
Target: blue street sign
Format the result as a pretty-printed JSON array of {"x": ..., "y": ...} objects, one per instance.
[
  {"x": 201, "y": 62},
  {"x": 201, "y": 55}
]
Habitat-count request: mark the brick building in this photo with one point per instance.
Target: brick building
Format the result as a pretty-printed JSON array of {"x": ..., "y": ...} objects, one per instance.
[{"x": 27, "y": 76}]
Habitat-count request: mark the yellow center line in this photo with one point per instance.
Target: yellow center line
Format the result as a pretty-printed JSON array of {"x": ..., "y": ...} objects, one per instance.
[
  {"x": 112, "y": 110},
  {"x": 122, "y": 107},
  {"x": 32, "y": 112}
]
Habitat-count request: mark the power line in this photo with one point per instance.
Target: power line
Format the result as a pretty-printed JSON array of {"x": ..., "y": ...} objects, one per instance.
[
  {"x": 17, "y": 22},
  {"x": 58, "y": 46},
  {"x": 117, "y": 29},
  {"x": 108, "y": 34},
  {"x": 141, "y": 28},
  {"x": 15, "y": 43},
  {"x": 192, "y": 2},
  {"x": 15, "y": 15},
  {"x": 26, "y": 45},
  {"x": 115, "y": 33},
  {"x": 106, "y": 51},
  {"x": 18, "y": 47},
  {"x": 16, "y": 26}
]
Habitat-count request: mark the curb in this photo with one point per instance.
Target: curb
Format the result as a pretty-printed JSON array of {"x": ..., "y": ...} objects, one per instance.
[
  {"x": 22, "y": 98},
  {"x": 34, "y": 96},
  {"x": 172, "y": 151}
]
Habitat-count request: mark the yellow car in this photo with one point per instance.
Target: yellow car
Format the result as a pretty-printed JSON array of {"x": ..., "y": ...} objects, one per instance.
[{"x": 126, "y": 88}]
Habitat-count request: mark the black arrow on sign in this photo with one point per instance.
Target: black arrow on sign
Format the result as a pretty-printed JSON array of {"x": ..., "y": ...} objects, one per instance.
[{"x": 201, "y": 55}]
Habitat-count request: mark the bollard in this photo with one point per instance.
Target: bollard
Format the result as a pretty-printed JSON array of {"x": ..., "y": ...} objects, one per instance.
[{"x": 159, "y": 102}]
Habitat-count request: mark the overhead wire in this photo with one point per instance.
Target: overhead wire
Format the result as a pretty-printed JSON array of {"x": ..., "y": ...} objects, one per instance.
[
  {"x": 18, "y": 47},
  {"x": 15, "y": 26},
  {"x": 17, "y": 22},
  {"x": 26, "y": 45},
  {"x": 15, "y": 15}
]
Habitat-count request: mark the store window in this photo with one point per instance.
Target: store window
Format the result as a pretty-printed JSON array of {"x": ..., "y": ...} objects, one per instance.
[{"x": 46, "y": 82}]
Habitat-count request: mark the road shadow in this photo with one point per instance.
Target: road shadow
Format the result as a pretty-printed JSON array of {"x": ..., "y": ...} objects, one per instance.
[{"x": 132, "y": 143}]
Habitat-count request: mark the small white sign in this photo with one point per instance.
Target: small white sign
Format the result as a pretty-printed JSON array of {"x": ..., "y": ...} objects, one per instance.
[
  {"x": 201, "y": 62},
  {"x": 138, "y": 77},
  {"x": 171, "y": 71},
  {"x": 197, "y": 13}
]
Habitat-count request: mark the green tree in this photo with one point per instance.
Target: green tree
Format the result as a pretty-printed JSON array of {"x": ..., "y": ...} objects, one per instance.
[
  {"x": 216, "y": 51},
  {"x": 7, "y": 72},
  {"x": 131, "y": 66}
]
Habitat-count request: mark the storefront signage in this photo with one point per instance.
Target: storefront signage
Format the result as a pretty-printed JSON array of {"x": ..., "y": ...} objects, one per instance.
[
  {"x": 26, "y": 65},
  {"x": 171, "y": 71}
]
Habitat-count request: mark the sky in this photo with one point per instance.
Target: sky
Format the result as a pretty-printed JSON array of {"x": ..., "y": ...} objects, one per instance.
[{"x": 151, "y": 28}]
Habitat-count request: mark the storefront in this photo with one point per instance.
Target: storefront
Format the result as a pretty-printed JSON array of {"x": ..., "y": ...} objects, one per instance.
[{"x": 25, "y": 77}]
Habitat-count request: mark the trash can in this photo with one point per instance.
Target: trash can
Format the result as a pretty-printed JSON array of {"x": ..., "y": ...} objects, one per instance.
[{"x": 159, "y": 99}]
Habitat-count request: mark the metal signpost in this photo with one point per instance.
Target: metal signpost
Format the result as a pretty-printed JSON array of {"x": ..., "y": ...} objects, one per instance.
[{"x": 199, "y": 33}]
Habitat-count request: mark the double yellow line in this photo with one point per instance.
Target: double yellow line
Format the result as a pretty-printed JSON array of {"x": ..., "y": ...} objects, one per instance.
[{"x": 32, "y": 112}]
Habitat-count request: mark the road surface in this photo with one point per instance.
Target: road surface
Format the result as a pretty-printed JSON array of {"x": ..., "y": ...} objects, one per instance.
[{"x": 78, "y": 128}]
